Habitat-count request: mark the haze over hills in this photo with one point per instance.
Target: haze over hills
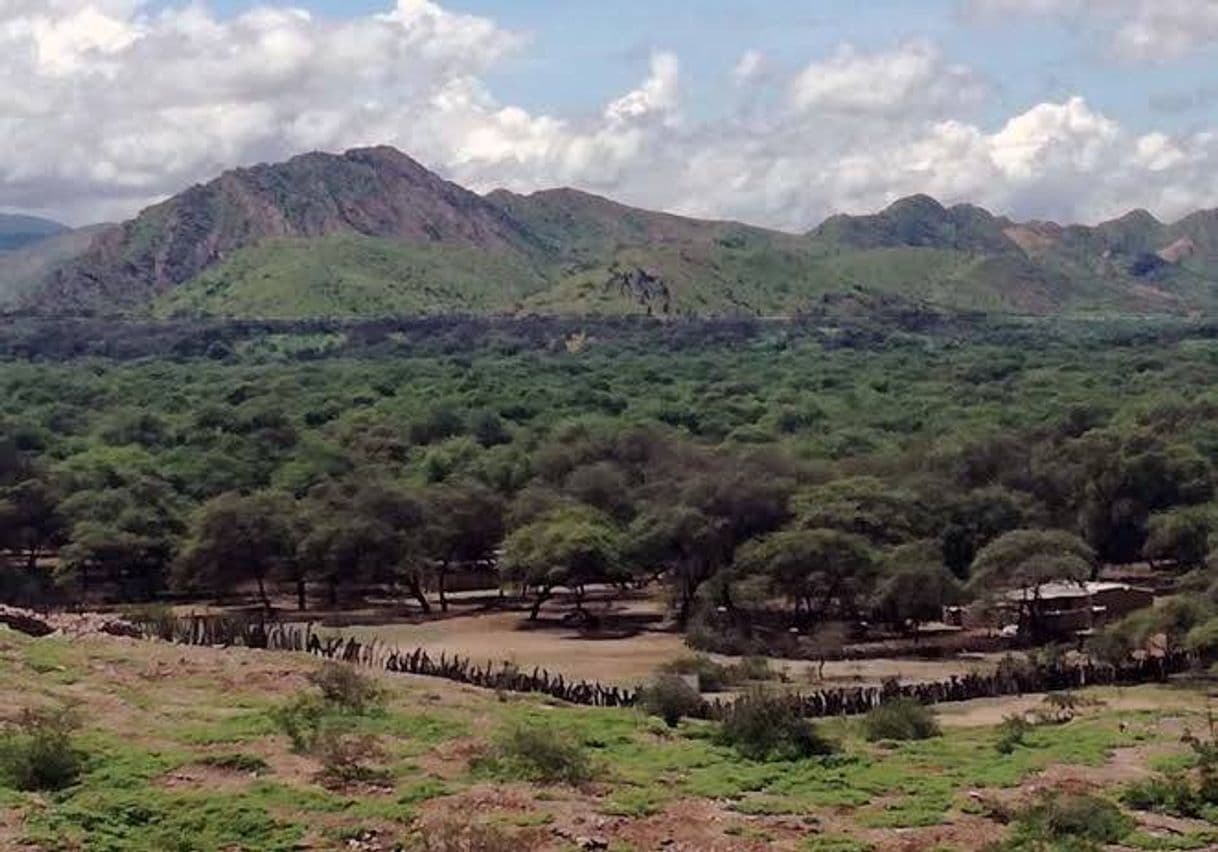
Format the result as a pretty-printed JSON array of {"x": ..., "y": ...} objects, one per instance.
[
  {"x": 372, "y": 232},
  {"x": 18, "y": 231}
]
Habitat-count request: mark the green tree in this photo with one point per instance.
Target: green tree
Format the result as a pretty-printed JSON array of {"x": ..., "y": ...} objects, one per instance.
[
  {"x": 915, "y": 586},
  {"x": 30, "y": 521},
  {"x": 1180, "y": 536},
  {"x": 819, "y": 571},
  {"x": 463, "y": 524},
  {"x": 572, "y": 547},
  {"x": 236, "y": 539},
  {"x": 366, "y": 531},
  {"x": 681, "y": 542}
]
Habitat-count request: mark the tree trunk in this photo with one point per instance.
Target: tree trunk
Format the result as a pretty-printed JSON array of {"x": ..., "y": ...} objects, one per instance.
[
  {"x": 262, "y": 596},
  {"x": 301, "y": 595},
  {"x": 333, "y": 592},
  {"x": 542, "y": 597},
  {"x": 442, "y": 582},
  {"x": 416, "y": 592}
]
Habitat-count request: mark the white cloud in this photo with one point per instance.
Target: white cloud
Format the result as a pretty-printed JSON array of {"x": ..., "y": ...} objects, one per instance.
[
  {"x": 912, "y": 77},
  {"x": 1167, "y": 29},
  {"x": 97, "y": 120},
  {"x": 751, "y": 66},
  {"x": 1147, "y": 30}
]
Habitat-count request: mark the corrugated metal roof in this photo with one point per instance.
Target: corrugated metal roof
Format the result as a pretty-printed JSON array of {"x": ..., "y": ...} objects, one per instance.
[{"x": 1049, "y": 591}]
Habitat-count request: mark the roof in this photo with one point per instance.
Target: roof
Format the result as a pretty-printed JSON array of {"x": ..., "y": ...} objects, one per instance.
[{"x": 1050, "y": 591}]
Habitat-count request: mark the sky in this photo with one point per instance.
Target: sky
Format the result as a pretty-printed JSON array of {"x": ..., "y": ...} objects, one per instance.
[{"x": 774, "y": 112}]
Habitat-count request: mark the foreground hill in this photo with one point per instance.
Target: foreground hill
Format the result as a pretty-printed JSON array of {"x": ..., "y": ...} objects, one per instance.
[
  {"x": 372, "y": 232},
  {"x": 183, "y": 748}
]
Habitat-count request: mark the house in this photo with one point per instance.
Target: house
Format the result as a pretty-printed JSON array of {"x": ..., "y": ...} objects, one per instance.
[
  {"x": 1064, "y": 609},
  {"x": 1060, "y": 609}
]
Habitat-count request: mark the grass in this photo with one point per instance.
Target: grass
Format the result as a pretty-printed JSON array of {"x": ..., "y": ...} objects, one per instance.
[{"x": 638, "y": 768}]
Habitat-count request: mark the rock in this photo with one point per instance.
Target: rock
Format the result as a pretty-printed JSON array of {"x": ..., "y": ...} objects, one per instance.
[{"x": 25, "y": 622}]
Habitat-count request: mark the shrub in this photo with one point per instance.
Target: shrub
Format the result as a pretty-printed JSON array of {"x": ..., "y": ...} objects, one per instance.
[
  {"x": 344, "y": 692},
  {"x": 247, "y": 763},
  {"x": 345, "y": 757},
  {"x": 347, "y": 689},
  {"x": 752, "y": 668},
  {"x": 1012, "y": 733},
  {"x": 302, "y": 720},
  {"x": 1076, "y": 822},
  {"x": 1171, "y": 794},
  {"x": 712, "y": 676},
  {"x": 539, "y": 753},
  {"x": 38, "y": 753},
  {"x": 901, "y": 719},
  {"x": 762, "y": 726},
  {"x": 670, "y": 698},
  {"x": 452, "y": 835}
]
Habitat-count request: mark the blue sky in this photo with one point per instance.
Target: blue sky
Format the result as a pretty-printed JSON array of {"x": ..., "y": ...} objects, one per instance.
[{"x": 1074, "y": 110}]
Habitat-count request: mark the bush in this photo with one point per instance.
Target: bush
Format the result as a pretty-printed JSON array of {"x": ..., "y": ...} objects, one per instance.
[
  {"x": 1012, "y": 733},
  {"x": 1061, "y": 821},
  {"x": 1171, "y": 794},
  {"x": 670, "y": 698},
  {"x": 247, "y": 763},
  {"x": 345, "y": 757},
  {"x": 712, "y": 676},
  {"x": 347, "y": 689},
  {"x": 344, "y": 692},
  {"x": 762, "y": 726},
  {"x": 901, "y": 719},
  {"x": 538, "y": 753},
  {"x": 37, "y": 753},
  {"x": 452, "y": 835},
  {"x": 302, "y": 720},
  {"x": 752, "y": 668}
]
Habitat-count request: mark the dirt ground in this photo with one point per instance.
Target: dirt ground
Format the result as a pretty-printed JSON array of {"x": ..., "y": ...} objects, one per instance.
[{"x": 628, "y": 660}]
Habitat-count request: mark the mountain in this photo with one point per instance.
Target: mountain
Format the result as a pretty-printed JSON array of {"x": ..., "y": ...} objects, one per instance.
[
  {"x": 372, "y": 232},
  {"x": 19, "y": 231}
]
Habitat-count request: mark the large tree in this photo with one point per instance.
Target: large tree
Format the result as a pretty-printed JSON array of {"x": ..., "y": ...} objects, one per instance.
[
  {"x": 572, "y": 547},
  {"x": 822, "y": 572},
  {"x": 236, "y": 539},
  {"x": 30, "y": 521},
  {"x": 366, "y": 532},
  {"x": 1180, "y": 536},
  {"x": 463, "y": 525},
  {"x": 915, "y": 586},
  {"x": 681, "y": 542}
]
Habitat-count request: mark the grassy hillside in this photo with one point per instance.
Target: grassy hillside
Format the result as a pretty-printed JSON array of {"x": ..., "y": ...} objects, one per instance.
[
  {"x": 182, "y": 751},
  {"x": 351, "y": 275}
]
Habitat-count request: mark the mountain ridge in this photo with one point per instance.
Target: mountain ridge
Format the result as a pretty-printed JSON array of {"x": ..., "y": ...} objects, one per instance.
[{"x": 372, "y": 230}]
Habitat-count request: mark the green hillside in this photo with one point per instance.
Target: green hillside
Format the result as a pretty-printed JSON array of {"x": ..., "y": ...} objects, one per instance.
[
  {"x": 372, "y": 232},
  {"x": 351, "y": 275}
]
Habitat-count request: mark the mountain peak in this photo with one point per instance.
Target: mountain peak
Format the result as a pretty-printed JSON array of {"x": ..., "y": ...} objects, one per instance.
[{"x": 374, "y": 192}]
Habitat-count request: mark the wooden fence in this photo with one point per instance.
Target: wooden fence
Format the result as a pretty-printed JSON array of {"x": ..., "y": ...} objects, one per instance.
[{"x": 848, "y": 701}]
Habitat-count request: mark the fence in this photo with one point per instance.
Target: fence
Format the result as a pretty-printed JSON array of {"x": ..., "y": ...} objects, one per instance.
[{"x": 1008, "y": 680}]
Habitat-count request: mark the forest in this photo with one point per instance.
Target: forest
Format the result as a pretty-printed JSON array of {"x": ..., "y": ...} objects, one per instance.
[{"x": 801, "y": 472}]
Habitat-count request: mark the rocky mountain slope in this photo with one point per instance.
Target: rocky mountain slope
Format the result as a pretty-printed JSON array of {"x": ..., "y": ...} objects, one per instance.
[{"x": 373, "y": 232}]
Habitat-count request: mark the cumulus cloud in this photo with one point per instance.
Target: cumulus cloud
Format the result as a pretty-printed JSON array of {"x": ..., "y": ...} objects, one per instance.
[
  {"x": 913, "y": 77},
  {"x": 109, "y": 106},
  {"x": 1150, "y": 30}
]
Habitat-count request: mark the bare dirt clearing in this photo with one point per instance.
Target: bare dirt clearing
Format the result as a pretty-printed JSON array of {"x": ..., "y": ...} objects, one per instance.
[{"x": 629, "y": 660}]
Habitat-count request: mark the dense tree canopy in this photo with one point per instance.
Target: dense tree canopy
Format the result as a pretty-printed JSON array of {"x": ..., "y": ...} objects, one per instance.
[{"x": 801, "y": 472}]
